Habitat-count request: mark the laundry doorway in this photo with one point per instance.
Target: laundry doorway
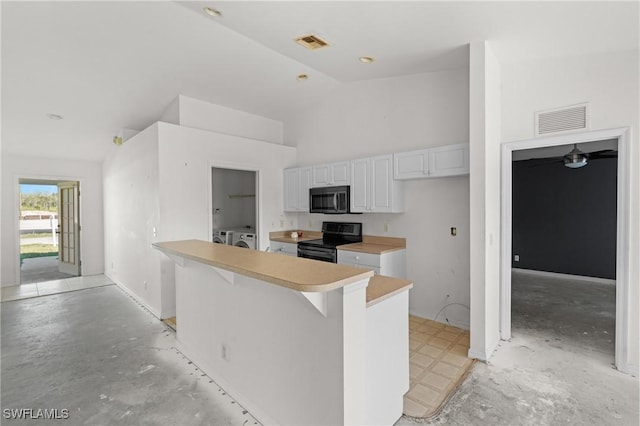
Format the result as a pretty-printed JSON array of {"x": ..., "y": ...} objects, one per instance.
[{"x": 49, "y": 230}]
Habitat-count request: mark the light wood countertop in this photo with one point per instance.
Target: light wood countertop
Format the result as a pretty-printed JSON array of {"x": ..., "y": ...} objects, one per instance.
[
  {"x": 381, "y": 288},
  {"x": 365, "y": 247},
  {"x": 286, "y": 271},
  {"x": 285, "y": 236}
]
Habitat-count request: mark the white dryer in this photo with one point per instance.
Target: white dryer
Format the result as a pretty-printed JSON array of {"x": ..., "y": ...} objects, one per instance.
[
  {"x": 223, "y": 237},
  {"x": 244, "y": 239}
]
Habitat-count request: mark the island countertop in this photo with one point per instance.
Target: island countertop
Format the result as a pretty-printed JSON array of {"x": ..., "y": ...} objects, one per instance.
[{"x": 291, "y": 272}]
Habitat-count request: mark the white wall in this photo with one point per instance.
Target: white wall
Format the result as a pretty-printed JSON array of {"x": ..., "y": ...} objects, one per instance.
[
  {"x": 391, "y": 115},
  {"x": 610, "y": 82},
  {"x": 186, "y": 158},
  {"x": 203, "y": 115},
  {"x": 132, "y": 210},
  {"x": 484, "y": 107},
  {"x": 91, "y": 237}
]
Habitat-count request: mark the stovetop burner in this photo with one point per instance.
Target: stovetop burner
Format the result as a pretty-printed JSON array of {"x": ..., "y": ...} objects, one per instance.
[{"x": 334, "y": 234}]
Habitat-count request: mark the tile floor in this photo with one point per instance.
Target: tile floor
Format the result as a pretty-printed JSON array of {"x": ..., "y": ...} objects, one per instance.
[
  {"x": 25, "y": 291},
  {"x": 437, "y": 363}
]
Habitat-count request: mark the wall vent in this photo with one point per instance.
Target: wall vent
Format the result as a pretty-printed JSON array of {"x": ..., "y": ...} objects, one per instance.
[
  {"x": 311, "y": 42},
  {"x": 565, "y": 119}
]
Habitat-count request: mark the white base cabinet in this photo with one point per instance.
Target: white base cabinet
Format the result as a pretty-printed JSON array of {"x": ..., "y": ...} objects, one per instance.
[
  {"x": 288, "y": 249},
  {"x": 391, "y": 264}
]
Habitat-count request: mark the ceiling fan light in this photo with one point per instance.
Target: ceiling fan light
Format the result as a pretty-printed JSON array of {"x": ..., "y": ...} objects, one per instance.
[{"x": 575, "y": 163}]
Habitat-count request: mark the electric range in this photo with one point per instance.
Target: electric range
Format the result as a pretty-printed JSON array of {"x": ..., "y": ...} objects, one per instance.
[{"x": 334, "y": 234}]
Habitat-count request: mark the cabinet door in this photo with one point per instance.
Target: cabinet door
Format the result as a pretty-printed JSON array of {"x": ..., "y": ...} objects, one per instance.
[
  {"x": 411, "y": 165},
  {"x": 340, "y": 173},
  {"x": 381, "y": 184},
  {"x": 306, "y": 176},
  {"x": 449, "y": 160},
  {"x": 322, "y": 175},
  {"x": 360, "y": 185},
  {"x": 291, "y": 189}
]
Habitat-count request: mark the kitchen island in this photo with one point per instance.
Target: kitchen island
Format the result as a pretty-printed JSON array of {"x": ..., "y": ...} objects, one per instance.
[{"x": 293, "y": 340}]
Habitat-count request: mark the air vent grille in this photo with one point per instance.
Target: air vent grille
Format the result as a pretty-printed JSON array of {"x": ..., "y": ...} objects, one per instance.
[
  {"x": 311, "y": 42},
  {"x": 565, "y": 119}
]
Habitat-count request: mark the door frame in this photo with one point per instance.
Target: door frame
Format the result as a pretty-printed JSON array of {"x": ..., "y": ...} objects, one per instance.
[
  {"x": 258, "y": 201},
  {"x": 623, "y": 135},
  {"x": 16, "y": 214}
]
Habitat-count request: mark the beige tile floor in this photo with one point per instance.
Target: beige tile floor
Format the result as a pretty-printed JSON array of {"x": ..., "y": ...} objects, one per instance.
[
  {"x": 44, "y": 288},
  {"x": 437, "y": 363}
]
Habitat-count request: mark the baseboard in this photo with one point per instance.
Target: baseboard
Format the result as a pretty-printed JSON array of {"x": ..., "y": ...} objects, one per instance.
[
  {"x": 135, "y": 297},
  {"x": 168, "y": 314},
  {"x": 630, "y": 369},
  {"x": 483, "y": 355},
  {"x": 479, "y": 355},
  {"x": 453, "y": 322},
  {"x": 566, "y": 276},
  {"x": 200, "y": 361}
]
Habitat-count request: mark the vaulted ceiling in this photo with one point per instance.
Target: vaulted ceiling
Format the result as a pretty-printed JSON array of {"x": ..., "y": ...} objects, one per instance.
[{"x": 104, "y": 66}]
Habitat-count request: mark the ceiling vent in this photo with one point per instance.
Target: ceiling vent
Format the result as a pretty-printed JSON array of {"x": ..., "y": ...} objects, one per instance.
[
  {"x": 311, "y": 42},
  {"x": 565, "y": 119}
]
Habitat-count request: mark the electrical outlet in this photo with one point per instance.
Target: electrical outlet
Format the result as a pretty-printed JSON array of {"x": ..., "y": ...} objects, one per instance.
[
  {"x": 386, "y": 227},
  {"x": 281, "y": 223},
  {"x": 310, "y": 223},
  {"x": 454, "y": 231},
  {"x": 516, "y": 258}
]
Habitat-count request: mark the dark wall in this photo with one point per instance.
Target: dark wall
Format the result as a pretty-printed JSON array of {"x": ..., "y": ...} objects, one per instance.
[{"x": 564, "y": 220}]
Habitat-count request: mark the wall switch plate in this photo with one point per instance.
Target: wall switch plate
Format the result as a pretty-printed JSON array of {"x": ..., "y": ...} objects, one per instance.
[
  {"x": 281, "y": 223},
  {"x": 516, "y": 258},
  {"x": 454, "y": 231},
  {"x": 224, "y": 352}
]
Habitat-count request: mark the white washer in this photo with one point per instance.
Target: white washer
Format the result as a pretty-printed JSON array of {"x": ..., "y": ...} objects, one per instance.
[
  {"x": 223, "y": 237},
  {"x": 244, "y": 239}
]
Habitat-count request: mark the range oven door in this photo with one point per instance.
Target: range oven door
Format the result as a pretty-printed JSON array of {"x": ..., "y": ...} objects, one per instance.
[
  {"x": 329, "y": 200},
  {"x": 316, "y": 253}
]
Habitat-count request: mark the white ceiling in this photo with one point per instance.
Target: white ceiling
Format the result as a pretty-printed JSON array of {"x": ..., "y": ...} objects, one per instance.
[{"x": 105, "y": 66}]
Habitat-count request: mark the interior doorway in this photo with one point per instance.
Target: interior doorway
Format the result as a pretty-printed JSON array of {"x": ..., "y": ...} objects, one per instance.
[
  {"x": 622, "y": 137},
  {"x": 564, "y": 246},
  {"x": 49, "y": 230}
]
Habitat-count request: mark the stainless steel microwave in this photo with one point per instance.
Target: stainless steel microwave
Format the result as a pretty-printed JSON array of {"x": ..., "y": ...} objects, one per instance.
[{"x": 329, "y": 200}]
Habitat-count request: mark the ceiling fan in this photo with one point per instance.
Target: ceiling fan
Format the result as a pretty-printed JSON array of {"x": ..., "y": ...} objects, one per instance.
[{"x": 575, "y": 158}]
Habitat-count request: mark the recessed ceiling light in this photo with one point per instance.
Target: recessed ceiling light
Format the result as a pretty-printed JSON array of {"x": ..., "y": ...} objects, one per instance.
[
  {"x": 212, "y": 12},
  {"x": 302, "y": 77},
  {"x": 367, "y": 59},
  {"x": 54, "y": 116}
]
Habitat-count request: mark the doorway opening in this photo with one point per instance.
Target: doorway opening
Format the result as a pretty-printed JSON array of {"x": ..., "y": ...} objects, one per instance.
[
  {"x": 618, "y": 282},
  {"x": 49, "y": 230},
  {"x": 234, "y": 207},
  {"x": 564, "y": 247}
]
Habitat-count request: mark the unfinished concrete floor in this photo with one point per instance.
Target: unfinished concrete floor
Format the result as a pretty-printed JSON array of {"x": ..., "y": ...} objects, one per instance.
[
  {"x": 551, "y": 372},
  {"x": 107, "y": 360}
]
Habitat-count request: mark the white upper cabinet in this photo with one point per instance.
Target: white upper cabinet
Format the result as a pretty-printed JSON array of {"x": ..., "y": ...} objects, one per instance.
[
  {"x": 297, "y": 182},
  {"x": 306, "y": 176},
  {"x": 448, "y": 160},
  {"x": 291, "y": 189},
  {"x": 373, "y": 189},
  {"x": 333, "y": 174}
]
